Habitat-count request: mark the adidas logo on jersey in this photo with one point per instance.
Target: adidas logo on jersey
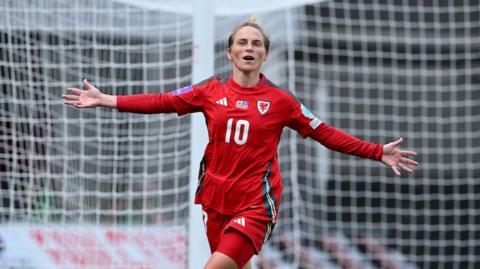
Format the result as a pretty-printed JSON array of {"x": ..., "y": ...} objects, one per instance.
[
  {"x": 240, "y": 221},
  {"x": 222, "y": 101}
]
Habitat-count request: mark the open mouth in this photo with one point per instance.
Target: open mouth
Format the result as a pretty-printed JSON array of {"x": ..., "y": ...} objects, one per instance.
[{"x": 248, "y": 58}]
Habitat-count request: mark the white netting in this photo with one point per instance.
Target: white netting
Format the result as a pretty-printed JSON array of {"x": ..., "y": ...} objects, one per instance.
[
  {"x": 71, "y": 167},
  {"x": 382, "y": 70},
  {"x": 377, "y": 69}
]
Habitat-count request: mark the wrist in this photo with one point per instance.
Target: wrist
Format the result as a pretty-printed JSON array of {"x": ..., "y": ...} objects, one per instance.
[{"x": 107, "y": 100}]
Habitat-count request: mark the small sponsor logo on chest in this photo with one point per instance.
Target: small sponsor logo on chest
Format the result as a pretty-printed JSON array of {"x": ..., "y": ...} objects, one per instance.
[{"x": 241, "y": 104}]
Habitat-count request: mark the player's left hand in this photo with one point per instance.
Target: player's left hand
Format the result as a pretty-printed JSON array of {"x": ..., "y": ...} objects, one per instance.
[{"x": 396, "y": 158}]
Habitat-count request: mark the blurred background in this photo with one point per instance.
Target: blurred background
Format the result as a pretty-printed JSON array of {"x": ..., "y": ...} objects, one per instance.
[{"x": 377, "y": 69}]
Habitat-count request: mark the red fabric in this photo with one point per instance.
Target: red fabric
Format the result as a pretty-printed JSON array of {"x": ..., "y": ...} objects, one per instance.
[
  {"x": 240, "y": 166},
  {"x": 338, "y": 140},
  {"x": 236, "y": 246},
  {"x": 252, "y": 223},
  {"x": 145, "y": 103}
]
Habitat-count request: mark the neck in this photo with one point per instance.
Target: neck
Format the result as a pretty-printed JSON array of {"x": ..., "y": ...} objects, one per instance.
[{"x": 246, "y": 79}]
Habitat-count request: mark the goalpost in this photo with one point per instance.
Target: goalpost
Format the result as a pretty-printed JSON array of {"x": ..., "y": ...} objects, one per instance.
[
  {"x": 97, "y": 188},
  {"x": 203, "y": 67}
]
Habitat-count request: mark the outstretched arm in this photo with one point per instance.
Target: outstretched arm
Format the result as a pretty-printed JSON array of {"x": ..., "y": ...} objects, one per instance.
[
  {"x": 390, "y": 154},
  {"x": 396, "y": 158},
  {"x": 89, "y": 97}
]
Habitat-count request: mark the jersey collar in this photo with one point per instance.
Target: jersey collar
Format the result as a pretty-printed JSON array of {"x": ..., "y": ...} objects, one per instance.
[{"x": 247, "y": 90}]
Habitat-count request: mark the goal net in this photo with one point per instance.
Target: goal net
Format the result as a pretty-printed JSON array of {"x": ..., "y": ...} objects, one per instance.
[
  {"x": 101, "y": 189},
  {"x": 94, "y": 188}
]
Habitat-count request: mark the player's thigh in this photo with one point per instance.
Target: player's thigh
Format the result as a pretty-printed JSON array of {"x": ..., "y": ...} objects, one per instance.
[
  {"x": 248, "y": 265},
  {"x": 236, "y": 246},
  {"x": 219, "y": 260}
]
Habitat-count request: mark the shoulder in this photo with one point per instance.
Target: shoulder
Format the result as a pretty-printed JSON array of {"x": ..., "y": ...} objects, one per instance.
[
  {"x": 286, "y": 94},
  {"x": 213, "y": 80}
]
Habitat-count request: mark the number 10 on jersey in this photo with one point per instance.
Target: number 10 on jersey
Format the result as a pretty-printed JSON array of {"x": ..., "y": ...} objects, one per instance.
[{"x": 240, "y": 131}]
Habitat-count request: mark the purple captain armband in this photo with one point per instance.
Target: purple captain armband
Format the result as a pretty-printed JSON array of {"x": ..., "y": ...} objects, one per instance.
[{"x": 182, "y": 90}]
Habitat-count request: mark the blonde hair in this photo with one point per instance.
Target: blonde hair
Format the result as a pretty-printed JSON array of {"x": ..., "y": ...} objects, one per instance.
[{"x": 252, "y": 22}]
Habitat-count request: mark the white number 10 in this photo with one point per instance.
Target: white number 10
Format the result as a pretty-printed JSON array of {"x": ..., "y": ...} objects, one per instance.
[{"x": 241, "y": 131}]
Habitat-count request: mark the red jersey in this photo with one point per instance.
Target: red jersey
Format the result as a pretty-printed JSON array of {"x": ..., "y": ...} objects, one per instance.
[{"x": 240, "y": 165}]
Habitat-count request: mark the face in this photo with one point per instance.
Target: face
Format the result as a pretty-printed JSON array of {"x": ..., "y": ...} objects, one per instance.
[{"x": 247, "y": 51}]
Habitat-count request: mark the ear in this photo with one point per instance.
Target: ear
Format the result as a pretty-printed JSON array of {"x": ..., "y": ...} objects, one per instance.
[
  {"x": 265, "y": 58},
  {"x": 229, "y": 53}
]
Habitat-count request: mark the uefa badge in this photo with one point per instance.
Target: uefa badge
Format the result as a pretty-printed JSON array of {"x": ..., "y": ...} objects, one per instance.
[{"x": 263, "y": 106}]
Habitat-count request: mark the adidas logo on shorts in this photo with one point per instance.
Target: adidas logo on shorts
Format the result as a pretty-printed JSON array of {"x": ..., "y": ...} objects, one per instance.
[{"x": 240, "y": 221}]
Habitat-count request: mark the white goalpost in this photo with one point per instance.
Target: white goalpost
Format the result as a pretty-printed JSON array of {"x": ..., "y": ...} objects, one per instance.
[
  {"x": 97, "y": 188},
  {"x": 203, "y": 67}
]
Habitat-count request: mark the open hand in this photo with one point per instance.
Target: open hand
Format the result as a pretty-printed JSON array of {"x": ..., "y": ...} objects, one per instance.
[
  {"x": 88, "y": 97},
  {"x": 396, "y": 158}
]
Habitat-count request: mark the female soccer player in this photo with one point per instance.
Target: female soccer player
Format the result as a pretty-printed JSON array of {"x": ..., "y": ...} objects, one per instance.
[{"x": 239, "y": 185}]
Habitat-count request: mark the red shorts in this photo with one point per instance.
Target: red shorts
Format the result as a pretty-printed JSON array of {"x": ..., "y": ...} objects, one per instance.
[{"x": 252, "y": 223}]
